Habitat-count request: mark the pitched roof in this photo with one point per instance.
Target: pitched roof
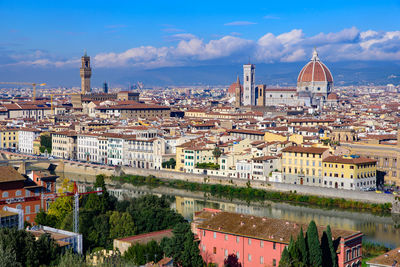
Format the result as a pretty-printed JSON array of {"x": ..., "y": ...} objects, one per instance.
[
  {"x": 9, "y": 174},
  {"x": 349, "y": 160},
  {"x": 263, "y": 228},
  {"x": 301, "y": 149}
]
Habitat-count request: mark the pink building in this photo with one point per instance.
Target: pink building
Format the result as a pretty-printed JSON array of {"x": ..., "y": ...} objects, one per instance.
[{"x": 258, "y": 241}]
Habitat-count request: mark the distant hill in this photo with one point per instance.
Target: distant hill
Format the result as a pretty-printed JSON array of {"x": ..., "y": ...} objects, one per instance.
[{"x": 285, "y": 74}]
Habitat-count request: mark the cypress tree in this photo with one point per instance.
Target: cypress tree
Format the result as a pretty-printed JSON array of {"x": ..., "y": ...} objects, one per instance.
[
  {"x": 314, "y": 247},
  {"x": 294, "y": 251},
  {"x": 302, "y": 247},
  {"x": 331, "y": 247},
  {"x": 285, "y": 259},
  {"x": 326, "y": 252}
]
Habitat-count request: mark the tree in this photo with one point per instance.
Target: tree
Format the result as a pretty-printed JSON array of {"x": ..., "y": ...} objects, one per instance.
[
  {"x": 47, "y": 249},
  {"x": 45, "y": 141},
  {"x": 301, "y": 244},
  {"x": 182, "y": 247},
  {"x": 64, "y": 204},
  {"x": 314, "y": 248},
  {"x": 8, "y": 256},
  {"x": 42, "y": 218},
  {"x": 121, "y": 224},
  {"x": 152, "y": 213},
  {"x": 285, "y": 260},
  {"x": 217, "y": 153},
  {"x": 21, "y": 247},
  {"x": 232, "y": 261},
  {"x": 70, "y": 259},
  {"x": 100, "y": 203},
  {"x": 140, "y": 254},
  {"x": 331, "y": 247},
  {"x": 294, "y": 251}
]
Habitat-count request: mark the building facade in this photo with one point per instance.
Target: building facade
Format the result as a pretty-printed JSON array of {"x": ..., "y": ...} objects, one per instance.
[{"x": 260, "y": 241}]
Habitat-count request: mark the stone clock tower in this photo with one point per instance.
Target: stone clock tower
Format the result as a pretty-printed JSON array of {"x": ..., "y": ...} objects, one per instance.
[{"x": 86, "y": 73}]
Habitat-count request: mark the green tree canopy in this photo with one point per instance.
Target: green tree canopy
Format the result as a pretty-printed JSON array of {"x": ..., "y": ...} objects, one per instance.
[
  {"x": 314, "y": 247},
  {"x": 182, "y": 247},
  {"x": 121, "y": 224}
]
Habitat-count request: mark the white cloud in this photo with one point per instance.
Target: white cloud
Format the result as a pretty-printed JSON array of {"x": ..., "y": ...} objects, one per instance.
[
  {"x": 240, "y": 23},
  {"x": 347, "y": 44},
  {"x": 271, "y": 17}
]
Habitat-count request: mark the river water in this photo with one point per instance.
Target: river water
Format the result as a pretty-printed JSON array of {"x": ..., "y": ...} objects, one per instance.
[{"x": 379, "y": 229}]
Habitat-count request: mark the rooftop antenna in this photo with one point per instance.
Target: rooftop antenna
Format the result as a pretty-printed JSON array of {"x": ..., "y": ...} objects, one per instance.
[{"x": 85, "y": 52}]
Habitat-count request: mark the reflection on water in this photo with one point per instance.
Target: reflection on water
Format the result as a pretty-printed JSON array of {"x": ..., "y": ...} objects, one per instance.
[{"x": 375, "y": 228}]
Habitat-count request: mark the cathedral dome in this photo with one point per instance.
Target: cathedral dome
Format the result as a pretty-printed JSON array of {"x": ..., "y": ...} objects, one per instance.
[
  {"x": 333, "y": 96},
  {"x": 315, "y": 71}
]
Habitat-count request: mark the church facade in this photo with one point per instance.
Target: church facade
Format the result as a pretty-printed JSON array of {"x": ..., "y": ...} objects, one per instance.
[{"x": 314, "y": 87}]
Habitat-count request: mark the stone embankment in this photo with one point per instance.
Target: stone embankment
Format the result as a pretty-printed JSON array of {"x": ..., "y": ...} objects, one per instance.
[{"x": 72, "y": 167}]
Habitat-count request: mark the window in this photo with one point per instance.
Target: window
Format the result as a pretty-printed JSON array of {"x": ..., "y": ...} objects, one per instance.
[
  {"x": 237, "y": 254},
  {"x": 215, "y": 235},
  {"x": 5, "y": 194},
  {"x": 226, "y": 237},
  {"x": 37, "y": 208},
  {"x": 261, "y": 243},
  {"x": 249, "y": 241},
  {"x": 204, "y": 233},
  {"x": 226, "y": 253},
  {"x": 261, "y": 260},
  {"x": 274, "y": 245},
  {"x": 274, "y": 262},
  {"x": 249, "y": 257},
  {"x": 214, "y": 250},
  {"x": 28, "y": 210},
  {"x": 237, "y": 239},
  {"x": 18, "y": 193}
]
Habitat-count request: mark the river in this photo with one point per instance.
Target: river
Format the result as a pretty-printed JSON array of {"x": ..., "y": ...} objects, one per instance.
[{"x": 378, "y": 229}]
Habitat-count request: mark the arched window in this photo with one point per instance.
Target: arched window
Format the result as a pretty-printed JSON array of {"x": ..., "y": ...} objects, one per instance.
[
  {"x": 5, "y": 194},
  {"x": 319, "y": 89},
  {"x": 18, "y": 193},
  {"x": 19, "y": 206}
]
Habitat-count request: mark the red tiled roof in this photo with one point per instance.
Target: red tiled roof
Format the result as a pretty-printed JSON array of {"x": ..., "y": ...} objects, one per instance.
[{"x": 316, "y": 71}]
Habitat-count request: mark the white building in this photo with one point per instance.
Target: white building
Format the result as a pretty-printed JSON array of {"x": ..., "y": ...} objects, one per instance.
[
  {"x": 243, "y": 169},
  {"x": 115, "y": 149},
  {"x": 249, "y": 91},
  {"x": 144, "y": 153},
  {"x": 26, "y": 136},
  {"x": 262, "y": 167},
  {"x": 88, "y": 147}
]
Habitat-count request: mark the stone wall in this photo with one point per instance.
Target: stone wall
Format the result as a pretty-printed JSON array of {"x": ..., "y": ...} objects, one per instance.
[{"x": 371, "y": 197}]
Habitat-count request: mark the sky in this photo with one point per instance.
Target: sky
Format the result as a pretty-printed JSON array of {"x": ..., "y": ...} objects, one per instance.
[{"x": 39, "y": 36}]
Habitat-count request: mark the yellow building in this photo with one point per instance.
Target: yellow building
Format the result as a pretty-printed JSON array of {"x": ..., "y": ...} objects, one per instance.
[
  {"x": 9, "y": 138},
  {"x": 36, "y": 146},
  {"x": 180, "y": 158},
  {"x": 273, "y": 137},
  {"x": 196, "y": 155},
  {"x": 386, "y": 156},
  {"x": 349, "y": 172},
  {"x": 303, "y": 165}
]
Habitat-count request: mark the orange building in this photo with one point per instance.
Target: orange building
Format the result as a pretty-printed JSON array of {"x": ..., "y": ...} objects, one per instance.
[{"x": 27, "y": 193}]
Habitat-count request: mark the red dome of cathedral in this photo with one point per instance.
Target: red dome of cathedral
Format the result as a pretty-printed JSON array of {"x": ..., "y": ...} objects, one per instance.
[
  {"x": 333, "y": 96},
  {"x": 315, "y": 71}
]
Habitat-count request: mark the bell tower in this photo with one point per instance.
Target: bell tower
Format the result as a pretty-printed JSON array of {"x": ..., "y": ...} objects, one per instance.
[{"x": 86, "y": 73}]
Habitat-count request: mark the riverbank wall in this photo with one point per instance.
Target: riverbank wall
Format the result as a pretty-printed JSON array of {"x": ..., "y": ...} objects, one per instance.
[{"x": 369, "y": 197}]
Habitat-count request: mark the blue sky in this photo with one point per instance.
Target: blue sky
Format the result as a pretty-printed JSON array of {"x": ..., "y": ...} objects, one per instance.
[{"x": 153, "y": 34}]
